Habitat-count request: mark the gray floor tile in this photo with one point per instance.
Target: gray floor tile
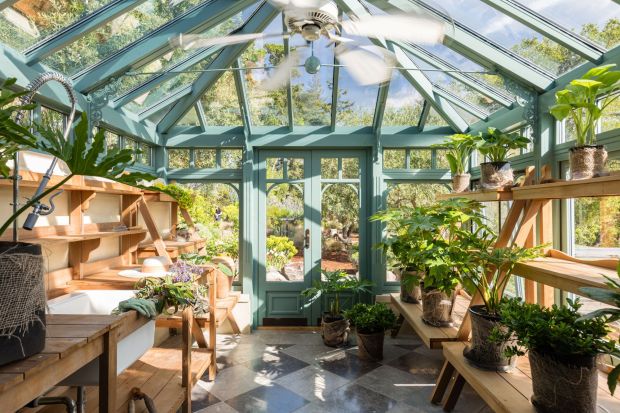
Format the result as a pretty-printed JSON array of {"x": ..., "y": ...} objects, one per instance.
[
  {"x": 274, "y": 364},
  {"x": 312, "y": 382},
  {"x": 268, "y": 399},
  {"x": 201, "y": 398},
  {"x": 221, "y": 407},
  {"x": 398, "y": 384},
  {"x": 234, "y": 381},
  {"x": 420, "y": 361},
  {"x": 348, "y": 365},
  {"x": 353, "y": 398},
  {"x": 312, "y": 353}
]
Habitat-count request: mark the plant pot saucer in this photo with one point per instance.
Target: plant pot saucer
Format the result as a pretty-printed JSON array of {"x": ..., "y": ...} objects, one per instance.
[{"x": 484, "y": 366}]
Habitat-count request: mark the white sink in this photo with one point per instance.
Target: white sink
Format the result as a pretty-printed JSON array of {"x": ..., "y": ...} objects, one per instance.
[{"x": 129, "y": 349}]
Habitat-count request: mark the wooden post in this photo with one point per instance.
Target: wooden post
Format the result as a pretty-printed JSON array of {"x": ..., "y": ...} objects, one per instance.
[
  {"x": 212, "y": 277},
  {"x": 188, "y": 219},
  {"x": 447, "y": 371},
  {"x": 107, "y": 373},
  {"x": 129, "y": 218},
  {"x": 159, "y": 243},
  {"x": 546, "y": 295},
  {"x": 530, "y": 286},
  {"x": 174, "y": 219},
  {"x": 186, "y": 372}
]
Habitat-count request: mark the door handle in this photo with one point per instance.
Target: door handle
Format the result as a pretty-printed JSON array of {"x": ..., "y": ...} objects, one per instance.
[{"x": 307, "y": 239}]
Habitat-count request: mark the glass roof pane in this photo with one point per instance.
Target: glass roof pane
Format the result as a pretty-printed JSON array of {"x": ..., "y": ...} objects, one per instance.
[
  {"x": 434, "y": 119},
  {"x": 27, "y": 22},
  {"x": 220, "y": 103},
  {"x": 312, "y": 94},
  {"x": 598, "y": 23},
  {"x": 511, "y": 34},
  {"x": 118, "y": 33},
  {"x": 267, "y": 108},
  {"x": 404, "y": 104},
  {"x": 468, "y": 117},
  {"x": 189, "y": 119}
]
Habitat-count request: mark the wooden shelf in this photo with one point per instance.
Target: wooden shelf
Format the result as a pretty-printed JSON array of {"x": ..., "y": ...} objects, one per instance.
[
  {"x": 566, "y": 273},
  {"x": 155, "y": 196},
  {"x": 595, "y": 187},
  {"x": 76, "y": 183},
  {"x": 481, "y": 196},
  {"x": 174, "y": 248},
  {"x": 511, "y": 392},
  {"x": 60, "y": 239},
  {"x": 107, "y": 280},
  {"x": 433, "y": 337}
]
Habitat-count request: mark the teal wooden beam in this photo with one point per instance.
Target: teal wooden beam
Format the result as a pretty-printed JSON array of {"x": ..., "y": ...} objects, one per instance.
[
  {"x": 334, "y": 109},
  {"x": 242, "y": 97},
  {"x": 257, "y": 23},
  {"x": 548, "y": 28},
  {"x": 200, "y": 111},
  {"x": 79, "y": 29},
  {"x": 7, "y": 3},
  {"x": 289, "y": 86},
  {"x": 467, "y": 79},
  {"x": 170, "y": 73},
  {"x": 415, "y": 77},
  {"x": 476, "y": 47},
  {"x": 157, "y": 43},
  {"x": 165, "y": 102},
  {"x": 456, "y": 100},
  {"x": 426, "y": 110},
  {"x": 382, "y": 95}
]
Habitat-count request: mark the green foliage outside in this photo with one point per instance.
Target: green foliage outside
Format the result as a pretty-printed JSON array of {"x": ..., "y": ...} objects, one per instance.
[
  {"x": 280, "y": 250},
  {"x": 333, "y": 283},
  {"x": 371, "y": 318}
]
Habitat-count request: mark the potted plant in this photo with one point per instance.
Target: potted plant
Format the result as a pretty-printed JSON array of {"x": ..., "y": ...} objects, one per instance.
[
  {"x": 22, "y": 263},
  {"x": 334, "y": 326},
  {"x": 579, "y": 103},
  {"x": 371, "y": 321},
  {"x": 495, "y": 145},
  {"x": 459, "y": 148},
  {"x": 562, "y": 348},
  {"x": 489, "y": 274},
  {"x": 225, "y": 266}
]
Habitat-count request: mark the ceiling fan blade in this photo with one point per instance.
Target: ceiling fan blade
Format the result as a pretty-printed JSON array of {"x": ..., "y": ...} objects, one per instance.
[
  {"x": 198, "y": 41},
  {"x": 281, "y": 74},
  {"x": 408, "y": 28},
  {"x": 298, "y": 4},
  {"x": 367, "y": 64}
]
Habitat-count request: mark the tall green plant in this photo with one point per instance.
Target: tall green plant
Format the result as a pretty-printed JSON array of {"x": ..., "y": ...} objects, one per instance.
[
  {"x": 82, "y": 158},
  {"x": 495, "y": 144},
  {"x": 459, "y": 148},
  {"x": 578, "y": 101},
  {"x": 335, "y": 283}
]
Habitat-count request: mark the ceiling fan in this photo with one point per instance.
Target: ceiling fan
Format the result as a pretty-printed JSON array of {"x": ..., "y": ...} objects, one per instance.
[{"x": 368, "y": 64}]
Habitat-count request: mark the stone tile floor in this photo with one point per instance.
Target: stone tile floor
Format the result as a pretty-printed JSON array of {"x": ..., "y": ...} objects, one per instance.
[{"x": 282, "y": 372}]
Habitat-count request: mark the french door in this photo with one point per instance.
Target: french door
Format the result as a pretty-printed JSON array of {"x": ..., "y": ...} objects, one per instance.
[{"x": 311, "y": 218}]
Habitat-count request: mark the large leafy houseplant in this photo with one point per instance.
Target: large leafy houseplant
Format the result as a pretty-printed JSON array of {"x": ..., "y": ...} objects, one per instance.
[
  {"x": 495, "y": 145},
  {"x": 580, "y": 103},
  {"x": 332, "y": 285},
  {"x": 562, "y": 347},
  {"x": 458, "y": 152},
  {"x": 371, "y": 321}
]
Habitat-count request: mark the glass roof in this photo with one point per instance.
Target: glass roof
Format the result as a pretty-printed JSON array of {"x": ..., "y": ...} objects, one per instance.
[{"x": 150, "y": 91}]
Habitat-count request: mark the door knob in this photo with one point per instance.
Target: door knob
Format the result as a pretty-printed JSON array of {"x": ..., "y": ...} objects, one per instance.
[{"x": 307, "y": 239}]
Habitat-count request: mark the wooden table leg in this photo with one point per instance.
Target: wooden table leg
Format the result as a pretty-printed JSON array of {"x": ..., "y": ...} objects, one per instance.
[
  {"x": 107, "y": 373},
  {"x": 199, "y": 335},
  {"x": 442, "y": 382},
  {"x": 399, "y": 324},
  {"x": 233, "y": 322},
  {"x": 454, "y": 393},
  {"x": 186, "y": 372}
]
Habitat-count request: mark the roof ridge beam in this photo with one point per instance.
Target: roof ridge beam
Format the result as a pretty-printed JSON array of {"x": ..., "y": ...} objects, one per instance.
[
  {"x": 79, "y": 29},
  {"x": 155, "y": 44},
  {"x": 454, "y": 72},
  {"x": 258, "y": 22},
  {"x": 548, "y": 28},
  {"x": 478, "y": 48}
]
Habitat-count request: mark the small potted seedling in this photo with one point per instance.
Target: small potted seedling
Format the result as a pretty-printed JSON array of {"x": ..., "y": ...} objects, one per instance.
[
  {"x": 334, "y": 326},
  {"x": 371, "y": 322},
  {"x": 459, "y": 148},
  {"x": 495, "y": 146},
  {"x": 580, "y": 103}
]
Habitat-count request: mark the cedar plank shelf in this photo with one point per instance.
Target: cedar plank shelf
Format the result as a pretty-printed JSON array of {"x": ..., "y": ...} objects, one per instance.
[
  {"x": 509, "y": 392},
  {"x": 60, "y": 239},
  {"x": 174, "y": 248},
  {"x": 481, "y": 195},
  {"x": 594, "y": 187},
  {"x": 433, "y": 337},
  {"x": 567, "y": 273}
]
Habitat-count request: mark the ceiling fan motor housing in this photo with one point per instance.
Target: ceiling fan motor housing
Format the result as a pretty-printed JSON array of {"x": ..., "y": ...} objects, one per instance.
[{"x": 310, "y": 23}]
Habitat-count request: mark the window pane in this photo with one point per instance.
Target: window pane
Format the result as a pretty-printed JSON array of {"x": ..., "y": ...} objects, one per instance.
[
  {"x": 441, "y": 161},
  {"x": 231, "y": 158},
  {"x": 52, "y": 119},
  {"x": 189, "y": 119},
  {"x": 329, "y": 168},
  {"x": 275, "y": 168},
  {"x": 350, "y": 168},
  {"x": 434, "y": 119},
  {"x": 112, "y": 140},
  {"x": 295, "y": 168},
  {"x": 146, "y": 156},
  {"x": 404, "y": 104},
  {"x": 611, "y": 116},
  {"x": 131, "y": 144},
  {"x": 220, "y": 103},
  {"x": 204, "y": 158},
  {"x": 420, "y": 158},
  {"x": 394, "y": 159},
  {"x": 340, "y": 207},
  {"x": 178, "y": 158}
]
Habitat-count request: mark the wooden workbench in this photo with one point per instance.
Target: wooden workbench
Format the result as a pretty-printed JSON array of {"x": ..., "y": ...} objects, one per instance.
[{"x": 72, "y": 341}]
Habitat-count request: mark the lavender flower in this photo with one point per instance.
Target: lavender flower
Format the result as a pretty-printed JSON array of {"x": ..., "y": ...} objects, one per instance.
[{"x": 184, "y": 272}]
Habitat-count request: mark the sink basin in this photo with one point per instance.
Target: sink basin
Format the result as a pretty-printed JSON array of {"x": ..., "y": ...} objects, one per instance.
[{"x": 129, "y": 348}]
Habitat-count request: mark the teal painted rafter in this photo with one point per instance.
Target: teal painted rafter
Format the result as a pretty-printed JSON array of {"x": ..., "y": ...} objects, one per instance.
[
  {"x": 289, "y": 86},
  {"x": 334, "y": 109},
  {"x": 415, "y": 77},
  {"x": 242, "y": 97},
  {"x": 258, "y": 22},
  {"x": 157, "y": 43},
  {"x": 426, "y": 110},
  {"x": 382, "y": 95},
  {"x": 456, "y": 100},
  {"x": 79, "y": 29},
  {"x": 161, "y": 78},
  {"x": 201, "y": 116},
  {"x": 7, "y": 3},
  {"x": 548, "y": 28},
  {"x": 478, "y": 48},
  {"x": 467, "y": 79}
]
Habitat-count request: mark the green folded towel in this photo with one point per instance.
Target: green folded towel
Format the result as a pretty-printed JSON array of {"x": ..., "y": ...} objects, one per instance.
[{"x": 142, "y": 306}]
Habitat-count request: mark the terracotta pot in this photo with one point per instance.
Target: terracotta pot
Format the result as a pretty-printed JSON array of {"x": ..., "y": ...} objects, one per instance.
[
  {"x": 460, "y": 183},
  {"x": 335, "y": 330},
  {"x": 582, "y": 164},
  {"x": 563, "y": 384},
  {"x": 482, "y": 352},
  {"x": 370, "y": 346},
  {"x": 22, "y": 294},
  {"x": 437, "y": 308},
  {"x": 496, "y": 175},
  {"x": 224, "y": 282},
  {"x": 412, "y": 293},
  {"x": 600, "y": 161}
]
